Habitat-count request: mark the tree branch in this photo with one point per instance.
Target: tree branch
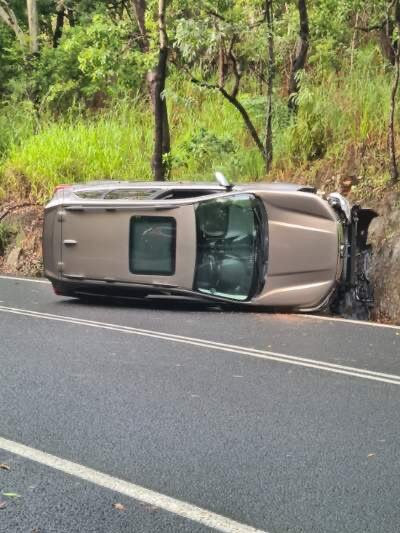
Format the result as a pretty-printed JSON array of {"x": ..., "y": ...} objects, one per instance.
[
  {"x": 12, "y": 208},
  {"x": 139, "y": 10},
  {"x": 235, "y": 102},
  {"x": 215, "y": 14},
  {"x": 368, "y": 29},
  {"x": 8, "y": 16},
  {"x": 235, "y": 67}
]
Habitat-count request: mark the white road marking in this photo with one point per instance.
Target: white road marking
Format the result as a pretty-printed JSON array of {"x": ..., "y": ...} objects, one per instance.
[
  {"x": 177, "y": 507},
  {"x": 204, "y": 343},
  {"x": 301, "y": 315},
  {"x": 349, "y": 321},
  {"x": 26, "y": 279}
]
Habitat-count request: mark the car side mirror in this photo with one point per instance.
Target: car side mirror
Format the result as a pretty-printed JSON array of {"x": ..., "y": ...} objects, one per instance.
[{"x": 221, "y": 179}]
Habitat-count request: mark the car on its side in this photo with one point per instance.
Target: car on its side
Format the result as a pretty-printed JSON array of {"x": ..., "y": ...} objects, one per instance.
[{"x": 265, "y": 244}]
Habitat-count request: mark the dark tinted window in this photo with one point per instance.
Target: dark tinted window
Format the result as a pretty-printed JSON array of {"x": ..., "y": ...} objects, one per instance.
[{"x": 152, "y": 245}]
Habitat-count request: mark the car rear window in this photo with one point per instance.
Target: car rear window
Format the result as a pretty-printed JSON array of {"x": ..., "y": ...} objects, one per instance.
[{"x": 152, "y": 246}]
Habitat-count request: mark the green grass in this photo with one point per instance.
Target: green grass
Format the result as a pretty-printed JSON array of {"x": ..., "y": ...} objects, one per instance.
[{"x": 112, "y": 147}]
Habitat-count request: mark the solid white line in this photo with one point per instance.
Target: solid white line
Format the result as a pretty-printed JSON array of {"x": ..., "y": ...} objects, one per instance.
[
  {"x": 301, "y": 315},
  {"x": 349, "y": 321},
  {"x": 177, "y": 507},
  {"x": 26, "y": 279},
  {"x": 231, "y": 348}
]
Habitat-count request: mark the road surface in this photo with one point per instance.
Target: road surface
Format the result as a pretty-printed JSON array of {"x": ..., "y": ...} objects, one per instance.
[{"x": 168, "y": 416}]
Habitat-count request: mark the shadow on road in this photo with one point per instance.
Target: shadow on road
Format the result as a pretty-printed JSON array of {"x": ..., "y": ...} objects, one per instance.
[{"x": 167, "y": 303}]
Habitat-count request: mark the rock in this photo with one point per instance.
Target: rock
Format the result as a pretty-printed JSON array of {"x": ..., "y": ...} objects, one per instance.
[
  {"x": 13, "y": 258},
  {"x": 385, "y": 237}
]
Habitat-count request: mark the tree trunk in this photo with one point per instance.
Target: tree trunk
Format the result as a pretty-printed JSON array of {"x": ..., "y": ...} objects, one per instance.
[
  {"x": 300, "y": 57},
  {"x": 139, "y": 10},
  {"x": 8, "y": 16},
  {"x": 161, "y": 126},
  {"x": 59, "y": 24},
  {"x": 268, "y": 144},
  {"x": 33, "y": 26},
  {"x": 394, "y": 169},
  {"x": 221, "y": 65},
  {"x": 70, "y": 16},
  {"x": 386, "y": 43}
]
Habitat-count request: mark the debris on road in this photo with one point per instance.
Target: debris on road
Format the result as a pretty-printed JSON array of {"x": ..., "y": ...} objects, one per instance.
[{"x": 119, "y": 506}]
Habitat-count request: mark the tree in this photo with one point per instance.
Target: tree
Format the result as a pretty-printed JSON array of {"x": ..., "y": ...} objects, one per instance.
[
  {"x": 215, "y": 39},
  {"x": 157, "y": 84},
  {"x": 155, "y": 79},
  {"x": 61, "y": 12},
  {"x": 300, "y": 56},
  {"x": 268, "y": 145},
  {"x": 8, "y": 16},
  {"x": 33, "y": 24},
  {"x": 394, "y": 10},
  {"x": 139, "y": 11},
  {"x": 388, "y": 26}
]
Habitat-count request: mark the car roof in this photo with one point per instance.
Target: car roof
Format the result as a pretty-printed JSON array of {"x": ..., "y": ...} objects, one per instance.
[{"x": 187, "y": 186}]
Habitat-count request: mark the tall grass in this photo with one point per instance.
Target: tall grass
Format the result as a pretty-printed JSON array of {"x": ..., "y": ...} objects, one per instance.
[
  {"x": 112, "y": 146},
  {"x": 17, "y": 123}
]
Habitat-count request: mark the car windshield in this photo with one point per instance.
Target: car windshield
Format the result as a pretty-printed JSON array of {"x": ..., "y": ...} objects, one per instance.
[{"x": 230, "y": 247}]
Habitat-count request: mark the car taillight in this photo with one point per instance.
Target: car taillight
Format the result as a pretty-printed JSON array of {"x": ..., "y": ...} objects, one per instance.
[{"x": 61, "y": 187}]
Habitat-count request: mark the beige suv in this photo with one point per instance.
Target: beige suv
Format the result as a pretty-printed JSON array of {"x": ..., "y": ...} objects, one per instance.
[{"x": 264, "y": 244}]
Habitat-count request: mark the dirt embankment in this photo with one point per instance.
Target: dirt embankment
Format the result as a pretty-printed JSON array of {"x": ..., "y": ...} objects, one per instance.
[
  {"x": 21, "y": 249},
  {"x": 21, "y": 239},
  {"x": 385, "y": 238}
]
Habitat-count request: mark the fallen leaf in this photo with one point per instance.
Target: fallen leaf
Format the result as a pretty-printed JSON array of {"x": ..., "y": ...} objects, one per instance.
[
  {"x": 11, "y": 495},
  {"x": 119, "y": 506},
  {"x": 3, "y": 466},
  {"x": 3, "y": 505},
  {"x": 371, "y": 454}
]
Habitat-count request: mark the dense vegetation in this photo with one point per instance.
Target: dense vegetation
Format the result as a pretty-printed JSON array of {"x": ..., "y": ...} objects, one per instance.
[{"x": 270, "y": 89}]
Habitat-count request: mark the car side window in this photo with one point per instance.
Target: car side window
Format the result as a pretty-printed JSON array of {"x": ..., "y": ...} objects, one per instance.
[{"x": 152, "y": 246}]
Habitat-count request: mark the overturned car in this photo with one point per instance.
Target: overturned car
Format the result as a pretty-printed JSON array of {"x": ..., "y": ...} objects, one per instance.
[{"x": 265, "y": 244}]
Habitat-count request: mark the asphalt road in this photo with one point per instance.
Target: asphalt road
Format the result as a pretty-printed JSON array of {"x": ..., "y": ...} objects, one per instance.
[{"x": 243, "y": 420}]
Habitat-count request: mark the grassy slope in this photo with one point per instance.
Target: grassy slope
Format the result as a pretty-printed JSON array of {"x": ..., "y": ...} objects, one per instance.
[{"x": 337, "y": 140}]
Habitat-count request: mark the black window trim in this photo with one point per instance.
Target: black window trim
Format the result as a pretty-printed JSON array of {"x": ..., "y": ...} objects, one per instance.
[{"x": 173, "y": 247}]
